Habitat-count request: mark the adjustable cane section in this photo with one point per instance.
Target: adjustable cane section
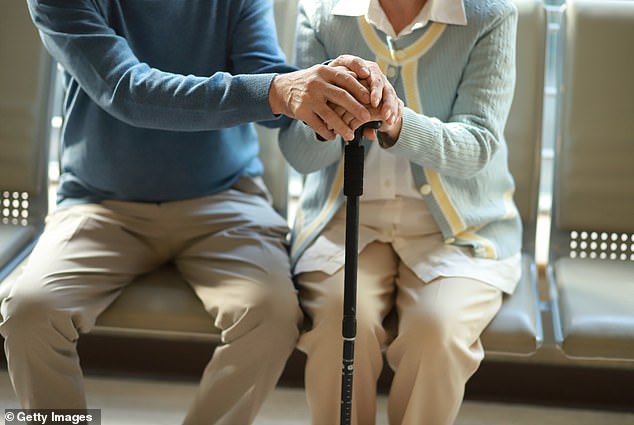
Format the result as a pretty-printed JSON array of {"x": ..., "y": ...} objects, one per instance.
[{"x": 352, "y": 189}]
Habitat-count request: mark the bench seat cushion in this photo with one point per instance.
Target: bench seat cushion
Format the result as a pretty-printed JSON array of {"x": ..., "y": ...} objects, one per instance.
[
  {"x": 162, "y": 304},
  {"x": 159, "y": 304},
  {"x": 596, "y": 307}
]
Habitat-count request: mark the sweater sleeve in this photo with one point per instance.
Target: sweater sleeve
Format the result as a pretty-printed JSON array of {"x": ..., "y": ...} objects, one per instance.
[
  {"x": 298, "y": 142},
  {"x": 78, "y": 36},
  {"x": 464, "y": 144}
]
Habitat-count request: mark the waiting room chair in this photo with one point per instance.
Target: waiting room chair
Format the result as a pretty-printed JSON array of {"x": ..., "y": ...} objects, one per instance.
[
  {"x": 25, "y": 81},
  {"x": 591, "y": 272}
]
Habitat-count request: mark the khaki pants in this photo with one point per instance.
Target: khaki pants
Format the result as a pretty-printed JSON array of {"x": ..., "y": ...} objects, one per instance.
[
  {"x": 231, "y": 249},
  {"x": 435, "y": 351}
]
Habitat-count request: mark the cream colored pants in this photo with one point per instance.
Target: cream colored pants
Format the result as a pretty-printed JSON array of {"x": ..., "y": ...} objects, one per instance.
[
  {"x": 435, "y": 351},
  {"x": 231, "y": 249}
]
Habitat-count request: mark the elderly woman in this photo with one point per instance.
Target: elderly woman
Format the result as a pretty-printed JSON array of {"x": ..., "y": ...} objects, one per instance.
[{"x": 439, "y": 235}]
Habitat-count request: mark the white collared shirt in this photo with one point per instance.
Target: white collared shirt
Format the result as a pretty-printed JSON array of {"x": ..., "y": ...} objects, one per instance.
[{"x": 445, "y": 11}]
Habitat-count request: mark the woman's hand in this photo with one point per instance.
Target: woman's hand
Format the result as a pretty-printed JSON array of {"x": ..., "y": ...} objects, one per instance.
[
  {"x": 383, "y": 97},
  {"x": 389, "y": 130}
]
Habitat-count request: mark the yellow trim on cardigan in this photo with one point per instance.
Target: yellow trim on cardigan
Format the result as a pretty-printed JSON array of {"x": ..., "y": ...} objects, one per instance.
[
  {"x": 509, "y": 205},
  {"x": 400, "y": 56},
  {"x": 337, "y": 187},
  {"x": 488, "y": 246},
  {"x": 410, "y": 84},
  {"x": 447, "y": 207}
]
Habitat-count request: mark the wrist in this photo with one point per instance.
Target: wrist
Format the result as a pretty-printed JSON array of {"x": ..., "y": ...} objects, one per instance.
[
  {"x": 275, "y": 99},
  {"x": 389, "y": 137},
  {"x": 385, "y": 140}
]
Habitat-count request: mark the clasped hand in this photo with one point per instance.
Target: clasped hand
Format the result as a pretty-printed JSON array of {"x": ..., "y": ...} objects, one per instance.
[{"x": 337, "y": 98}]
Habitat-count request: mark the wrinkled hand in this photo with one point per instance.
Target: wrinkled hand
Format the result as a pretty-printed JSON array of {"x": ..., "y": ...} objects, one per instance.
[
  {"x": 383, "y": 97},
  {"x": 391, "y": 128},
  {"x": 309, "y": 95}
]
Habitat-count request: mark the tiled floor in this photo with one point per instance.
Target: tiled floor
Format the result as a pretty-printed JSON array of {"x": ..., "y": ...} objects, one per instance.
[{"x": 145, "y": 402}]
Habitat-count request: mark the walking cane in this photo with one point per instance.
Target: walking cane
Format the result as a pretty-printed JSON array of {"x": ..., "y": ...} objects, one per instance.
[{"x": 352, "y": 189}]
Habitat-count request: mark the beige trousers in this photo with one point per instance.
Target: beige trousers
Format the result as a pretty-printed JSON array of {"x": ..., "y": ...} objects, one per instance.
[
  {"x": 434, "y": 352},
  {"x": 231, "y": 249}
]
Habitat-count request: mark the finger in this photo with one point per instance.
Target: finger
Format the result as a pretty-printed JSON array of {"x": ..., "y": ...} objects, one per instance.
[
  {"x": 355, "y": 123},
  {"x": 332, "y": 120},
  {"x": 338, "y": 110},
  {"x": 348, "y": 93},
  {"x": 353, "y": 63},
  {"x": 378, "y": 84},
  {"x": 375, "y": 83},
  {"x": 351, "y": 85},
  {"x": 319, "y": 127},
  {"x": 348, "y": 119},
  {"x": 391, "y": 106},
  {"x": 353, "y": 108},
  {"x": 368, "y": 71},
  {"x": 347, "y": 71},
  {"x": 346, "y": 116},
  {"x": 369, "y": 133}
]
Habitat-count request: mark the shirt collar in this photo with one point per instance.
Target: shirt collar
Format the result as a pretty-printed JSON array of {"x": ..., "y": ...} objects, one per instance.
[{"x": 443, "y": 11}]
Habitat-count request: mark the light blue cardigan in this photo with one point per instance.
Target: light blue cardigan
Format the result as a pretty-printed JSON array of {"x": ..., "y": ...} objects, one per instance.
[{"x": 457, "y": 84}]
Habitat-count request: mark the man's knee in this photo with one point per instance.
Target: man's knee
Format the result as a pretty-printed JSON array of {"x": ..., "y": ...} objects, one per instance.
[
  {"x": 271, "y": 309},
  {"x": 279, "y": 307},
  {"x": 29, "y": 313}
]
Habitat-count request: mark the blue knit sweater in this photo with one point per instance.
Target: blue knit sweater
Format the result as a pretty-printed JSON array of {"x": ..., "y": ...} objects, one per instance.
[
  {"x": 160, "y": 95},
  {"x": 457, "y": 84}
]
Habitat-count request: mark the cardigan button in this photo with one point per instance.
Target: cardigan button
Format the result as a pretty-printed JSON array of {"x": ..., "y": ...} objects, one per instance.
[{"x": 425, "y": 189}]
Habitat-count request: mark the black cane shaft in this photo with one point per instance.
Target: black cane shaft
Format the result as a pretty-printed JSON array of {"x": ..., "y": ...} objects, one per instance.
[
  {"x": 352, "y": 189},
  {"x": 351, "y": 260},
  {"x": 349, "y": 323}
]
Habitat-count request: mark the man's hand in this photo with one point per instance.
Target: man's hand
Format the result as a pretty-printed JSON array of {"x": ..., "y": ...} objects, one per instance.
[{"x": 307, "y": 95}]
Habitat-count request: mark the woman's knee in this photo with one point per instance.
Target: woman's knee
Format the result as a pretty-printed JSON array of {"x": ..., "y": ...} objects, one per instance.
[
  {"x": 454, "y": 316},
  {"x": 436, "y": 329}
]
